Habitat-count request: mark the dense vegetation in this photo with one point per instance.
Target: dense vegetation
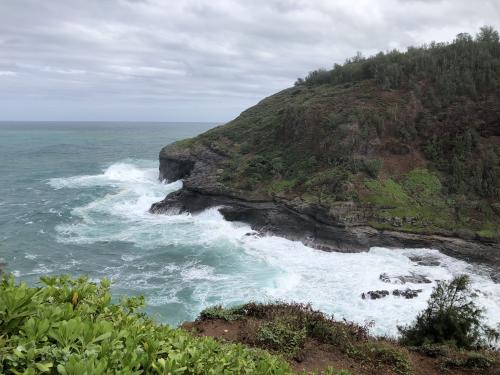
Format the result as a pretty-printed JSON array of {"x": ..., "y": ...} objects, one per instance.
[
  {"x": 467, "y": 66},
  {"x": 440, "y": 74},
  {"x": 415, "y": 135},
  {"x": 70, "y": 327}
]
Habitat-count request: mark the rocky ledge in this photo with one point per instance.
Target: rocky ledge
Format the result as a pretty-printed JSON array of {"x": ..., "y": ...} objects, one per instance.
[{"x": 343, "y": 228}]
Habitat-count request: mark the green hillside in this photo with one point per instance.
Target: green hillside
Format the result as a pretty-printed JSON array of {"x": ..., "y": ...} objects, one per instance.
[{"x": 411, "y": 138}]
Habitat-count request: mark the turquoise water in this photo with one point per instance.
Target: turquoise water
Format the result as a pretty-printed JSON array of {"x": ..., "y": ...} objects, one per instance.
[{"x": 74, "y": 199}]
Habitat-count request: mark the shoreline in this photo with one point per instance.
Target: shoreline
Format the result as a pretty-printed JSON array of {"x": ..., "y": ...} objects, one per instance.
[{"x": 343, "y": 228}]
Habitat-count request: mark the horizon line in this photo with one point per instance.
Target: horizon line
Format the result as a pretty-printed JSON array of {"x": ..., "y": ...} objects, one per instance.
[{"x": 121, "y": 121}]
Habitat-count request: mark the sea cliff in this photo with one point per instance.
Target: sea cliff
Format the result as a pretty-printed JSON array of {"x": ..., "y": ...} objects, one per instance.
[{"x": 396, "y": 150}]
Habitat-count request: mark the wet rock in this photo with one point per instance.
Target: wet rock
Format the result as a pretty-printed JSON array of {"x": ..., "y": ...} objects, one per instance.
[
  {"x": 397, "y": 221},
  {"x": 412, "y": 278},
  {"x": 253, "y": 234},
  {"x": 407, "y": 293},
  {"x": 410, "y": 220},
  {"x": 375, "y": 294},
  {"x": 385, "y": 278},
  {"x": 425, "y": 261}
]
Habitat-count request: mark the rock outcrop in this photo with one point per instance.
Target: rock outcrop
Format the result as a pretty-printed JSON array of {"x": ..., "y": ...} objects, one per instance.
[{"x": 341, "y": 228}]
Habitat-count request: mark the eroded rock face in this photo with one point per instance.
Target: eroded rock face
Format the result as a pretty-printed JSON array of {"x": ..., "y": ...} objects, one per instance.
[
  {"x": 177, "y": 170},
  {"x": 174, "y": 166}
]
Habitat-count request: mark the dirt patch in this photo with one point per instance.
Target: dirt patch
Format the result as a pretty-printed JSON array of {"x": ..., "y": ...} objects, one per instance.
[{"x": 400, "y": 165}]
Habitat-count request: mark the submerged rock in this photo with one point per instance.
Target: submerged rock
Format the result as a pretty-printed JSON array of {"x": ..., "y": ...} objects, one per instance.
[
  {"x": 407, "y": 293},
  {"x": 412, "y": 278},
  {"x": 425, "y": 261},
  {"x": 375, "y": 294}
]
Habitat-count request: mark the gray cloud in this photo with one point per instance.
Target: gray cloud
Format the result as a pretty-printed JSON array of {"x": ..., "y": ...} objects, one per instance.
[{"x": 199, "y": 59}]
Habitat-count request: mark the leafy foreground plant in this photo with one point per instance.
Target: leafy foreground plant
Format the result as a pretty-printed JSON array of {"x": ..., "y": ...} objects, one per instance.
[
  {"x": 451, "y": 317},
  {"x": 70, "y": 327}
]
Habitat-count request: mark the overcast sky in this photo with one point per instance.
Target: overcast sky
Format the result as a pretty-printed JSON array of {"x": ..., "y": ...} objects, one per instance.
[{"x": 196, "y": 60}]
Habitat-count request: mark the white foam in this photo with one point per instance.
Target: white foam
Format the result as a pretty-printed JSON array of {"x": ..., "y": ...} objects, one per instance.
[
  {"x": 130, "y": 257},
  {"x": 333, "y": 282},
  {"x": 121, "y": 172},
  {"x": 208, "y": 260}
]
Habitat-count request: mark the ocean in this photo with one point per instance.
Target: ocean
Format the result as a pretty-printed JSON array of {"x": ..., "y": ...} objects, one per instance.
[{"x": 74, "y": 199}]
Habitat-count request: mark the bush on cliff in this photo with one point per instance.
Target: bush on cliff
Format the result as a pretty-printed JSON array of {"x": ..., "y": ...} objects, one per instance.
[{"x": 451, "y": 317}]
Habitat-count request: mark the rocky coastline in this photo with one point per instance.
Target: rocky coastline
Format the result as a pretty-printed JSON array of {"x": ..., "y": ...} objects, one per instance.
[{"x": 342, "y": 228}]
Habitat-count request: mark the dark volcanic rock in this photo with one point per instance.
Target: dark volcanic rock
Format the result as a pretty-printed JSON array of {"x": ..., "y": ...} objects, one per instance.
[
  {"x": 425, "y": 261},
  {"x": 174, "y": 167},
  {"x": 406, "y": 293},
  {"x": 375, "y": 294}
]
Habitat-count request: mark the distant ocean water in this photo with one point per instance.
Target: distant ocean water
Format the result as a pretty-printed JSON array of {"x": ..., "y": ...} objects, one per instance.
[{"x": 74, "y": 199}]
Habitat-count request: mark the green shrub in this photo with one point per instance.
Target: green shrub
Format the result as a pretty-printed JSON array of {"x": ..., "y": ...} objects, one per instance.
[
  {"x": 422, "y": 184},
  {"x": 283, "y": 335},
  {"x": 387, "y": 193},
  {"x": 329, "y": 183},
  {"x": 432, "y": 350},
  {"x": 372, "y": 167},
  {"x": 282, "y": 186},
  {"x": 219, "y": 312},
  {"x": 472, "y": 360},
  {"x": 259, "y": 167},
  {"x": 70, "y": 327},
  {"x": 451, "y": 316},
  {"x": 379, "y": 352},
  {"x": 478, "y": 360}
]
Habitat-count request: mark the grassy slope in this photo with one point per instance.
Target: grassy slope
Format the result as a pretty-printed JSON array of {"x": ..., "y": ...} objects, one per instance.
[{"x": 311, "y": 340}]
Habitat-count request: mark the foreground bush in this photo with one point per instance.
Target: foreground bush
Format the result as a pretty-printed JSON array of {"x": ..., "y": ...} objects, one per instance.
[
  {"x": 451, "y": 317},
  {"x": 70, "y": 327}
]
